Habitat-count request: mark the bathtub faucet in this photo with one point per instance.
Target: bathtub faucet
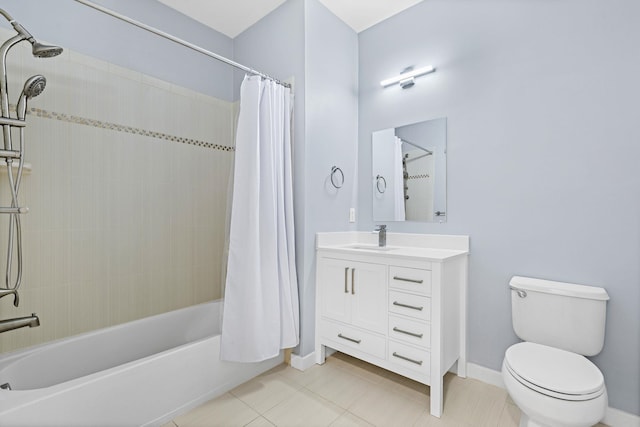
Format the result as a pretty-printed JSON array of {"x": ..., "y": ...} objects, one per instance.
[
  {"x": 19, "y": 322},
  {"x": 16, "y": 299}
]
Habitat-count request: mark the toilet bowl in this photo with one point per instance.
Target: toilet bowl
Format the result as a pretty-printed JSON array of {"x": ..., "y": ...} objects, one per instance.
[
  {"x": 547, "y": 375},
  {"x": 553, "y": 387}
]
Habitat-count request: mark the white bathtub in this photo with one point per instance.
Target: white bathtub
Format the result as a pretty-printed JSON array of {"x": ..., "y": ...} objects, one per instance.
[{"x": 141, "y": 373}]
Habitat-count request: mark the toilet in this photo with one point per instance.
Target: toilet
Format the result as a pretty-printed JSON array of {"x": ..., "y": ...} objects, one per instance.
[{"x": 547, "y": 375}]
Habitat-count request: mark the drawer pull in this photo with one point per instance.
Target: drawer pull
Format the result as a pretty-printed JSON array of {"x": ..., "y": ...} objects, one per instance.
[
  {"x": 404, "y": 279},
  {"x": 413, "y": 334},
  {"x": 349, "y": 339},
  {"x": 399, "y": 356},
  {"x": 346, "y": 275},
  {"x": 412, "y": 307}
]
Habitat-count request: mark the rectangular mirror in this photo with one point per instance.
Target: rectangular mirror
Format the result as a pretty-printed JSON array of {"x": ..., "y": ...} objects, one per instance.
[{"x": 409, "y": 165}]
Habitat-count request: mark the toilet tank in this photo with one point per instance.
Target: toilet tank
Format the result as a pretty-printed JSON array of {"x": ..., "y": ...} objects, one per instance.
[{"x": 561, "y": 315}]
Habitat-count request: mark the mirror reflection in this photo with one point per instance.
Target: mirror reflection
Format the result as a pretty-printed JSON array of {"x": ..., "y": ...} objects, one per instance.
[{"x": 409, "y": 172}]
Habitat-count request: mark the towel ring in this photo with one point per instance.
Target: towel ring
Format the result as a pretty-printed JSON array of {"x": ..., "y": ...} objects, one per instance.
[
  {"x": 380, "y": 179},
  {"x": 335, "y": 169}
]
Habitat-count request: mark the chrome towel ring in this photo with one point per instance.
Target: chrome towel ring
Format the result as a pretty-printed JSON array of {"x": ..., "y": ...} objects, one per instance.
[
  {"x": 381, "y": 181},
  {"x": 335, "y": 169}
]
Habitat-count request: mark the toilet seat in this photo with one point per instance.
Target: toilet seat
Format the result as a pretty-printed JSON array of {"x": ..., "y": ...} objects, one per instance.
[{"x": 553, "y": 372}]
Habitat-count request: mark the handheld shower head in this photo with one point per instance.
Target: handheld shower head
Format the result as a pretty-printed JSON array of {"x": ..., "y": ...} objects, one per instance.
[{"x": 33, "y": 87}]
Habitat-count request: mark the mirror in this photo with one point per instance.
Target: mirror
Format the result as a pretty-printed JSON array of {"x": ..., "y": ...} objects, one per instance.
[{"x": 409, "y": 165}]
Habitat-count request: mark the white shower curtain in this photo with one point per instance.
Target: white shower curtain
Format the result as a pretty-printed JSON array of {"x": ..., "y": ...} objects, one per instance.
[
  {"x": 261, "y": 290},
  {"x": 398, "y": 182}
]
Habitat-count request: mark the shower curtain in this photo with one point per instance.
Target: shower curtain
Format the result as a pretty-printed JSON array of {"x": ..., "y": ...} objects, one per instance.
[{"x": 261, "y": 291}]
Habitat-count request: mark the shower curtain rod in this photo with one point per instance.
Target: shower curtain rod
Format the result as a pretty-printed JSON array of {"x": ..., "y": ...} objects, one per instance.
[
  {"x": 416, "y": 145},
  {"x": 179, "y": 41}
]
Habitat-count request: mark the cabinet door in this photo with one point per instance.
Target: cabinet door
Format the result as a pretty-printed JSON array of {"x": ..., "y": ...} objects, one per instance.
[
  {"x": 334, "y": 278},
  {"x": 369, "y": 296}
]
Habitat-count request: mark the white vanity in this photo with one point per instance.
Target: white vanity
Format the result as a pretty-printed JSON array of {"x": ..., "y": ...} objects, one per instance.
[{"x": 401, "y": 307}]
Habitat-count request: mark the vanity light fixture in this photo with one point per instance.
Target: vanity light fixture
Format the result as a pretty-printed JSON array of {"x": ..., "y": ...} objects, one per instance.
[{"x": 406, "y": 79}]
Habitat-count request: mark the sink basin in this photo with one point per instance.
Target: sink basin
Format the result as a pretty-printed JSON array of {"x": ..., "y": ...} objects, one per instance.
[{"x": 371, "y": 247}]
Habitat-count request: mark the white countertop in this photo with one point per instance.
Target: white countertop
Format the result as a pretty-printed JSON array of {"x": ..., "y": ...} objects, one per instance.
[{"x": 429, "y": 247}]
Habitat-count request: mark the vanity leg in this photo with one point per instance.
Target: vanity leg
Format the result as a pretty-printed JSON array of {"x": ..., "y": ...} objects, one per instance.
[
  {"x": 321, "y": 354},
  {"x": 436, "y": 397}
]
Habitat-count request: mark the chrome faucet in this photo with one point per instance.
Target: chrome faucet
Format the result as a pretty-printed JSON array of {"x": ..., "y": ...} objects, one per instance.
[
  {"x": 382, "y": 235},
  {"x": 19, "y": 322}
]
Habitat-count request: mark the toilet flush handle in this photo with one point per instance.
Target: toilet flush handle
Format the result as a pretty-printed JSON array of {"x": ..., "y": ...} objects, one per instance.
[{"x": 520, "y": 292}]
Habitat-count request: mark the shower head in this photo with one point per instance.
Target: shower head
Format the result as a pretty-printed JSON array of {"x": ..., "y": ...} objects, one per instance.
[
  {"x": 33, "y": 87},
  {"x": 45, "y": 51},
  {"x": 39, "y": 50}
]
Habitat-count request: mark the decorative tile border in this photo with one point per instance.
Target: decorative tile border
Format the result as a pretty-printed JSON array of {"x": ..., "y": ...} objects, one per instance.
[
  {"x": 423, "y": 176},
  {"x": 122, "y": 128}
]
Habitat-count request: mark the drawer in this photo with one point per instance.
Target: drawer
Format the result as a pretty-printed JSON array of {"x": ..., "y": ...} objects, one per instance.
[
  {"x": 409, "y": 357},
  {"x": 410, "y": 279},
  {"x": 353, "y": 338},
  {"x": 415, "y": 306},
  {"x": 410, "y": 331}
]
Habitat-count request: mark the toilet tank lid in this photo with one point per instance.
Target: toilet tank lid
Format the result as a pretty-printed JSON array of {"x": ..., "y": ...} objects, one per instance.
[{"x": 558, "y": 288}]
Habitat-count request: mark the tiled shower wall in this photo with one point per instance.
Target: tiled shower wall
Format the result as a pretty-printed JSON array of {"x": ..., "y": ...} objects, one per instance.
[{"x": 127, "y": 196}]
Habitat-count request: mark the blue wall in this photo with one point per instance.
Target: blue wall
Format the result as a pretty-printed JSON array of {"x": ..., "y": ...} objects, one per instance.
[
  {"x": 541, "y": 100},
  {"x": 331, "y": 139},
  {"x": 85, "y": 30}
]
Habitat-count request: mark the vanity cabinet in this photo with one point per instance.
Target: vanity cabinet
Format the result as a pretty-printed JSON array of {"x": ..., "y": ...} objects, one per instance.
[
  {"x": 404, "y": 312},
  {"x": 354, "y": 294}
]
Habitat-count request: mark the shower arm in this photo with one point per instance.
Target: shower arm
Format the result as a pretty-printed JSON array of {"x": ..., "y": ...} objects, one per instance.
[{"x": 6, "y": 15}]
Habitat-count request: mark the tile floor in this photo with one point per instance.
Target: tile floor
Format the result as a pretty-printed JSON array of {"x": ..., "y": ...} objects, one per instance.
[{"x": 346, "y": 392}]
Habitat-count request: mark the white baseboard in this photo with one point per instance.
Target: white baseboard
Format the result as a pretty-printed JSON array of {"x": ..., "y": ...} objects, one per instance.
[
  {"x": 617, "y": 418},
  {"x": 485, "y": 375},
  {"x": 613, "y": 417},
  {"x": 302, "y": 363}
]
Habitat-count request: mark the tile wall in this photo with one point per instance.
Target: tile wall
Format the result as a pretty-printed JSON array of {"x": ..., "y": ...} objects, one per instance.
[
  {"x": 127, "y": 196},
  {"x": 421, "y": 170}
]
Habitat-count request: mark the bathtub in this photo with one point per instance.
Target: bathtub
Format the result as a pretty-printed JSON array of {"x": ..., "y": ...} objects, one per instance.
[{"x": 141, "y": 373}]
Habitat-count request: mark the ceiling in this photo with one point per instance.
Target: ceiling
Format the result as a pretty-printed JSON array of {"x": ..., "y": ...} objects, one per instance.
[{"x": 233, "y": 17}]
